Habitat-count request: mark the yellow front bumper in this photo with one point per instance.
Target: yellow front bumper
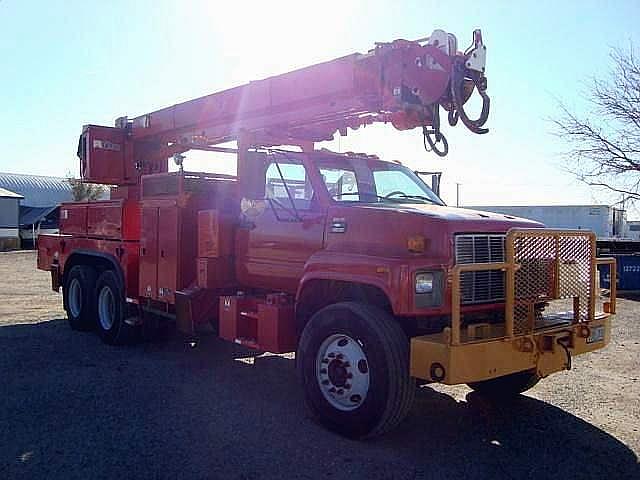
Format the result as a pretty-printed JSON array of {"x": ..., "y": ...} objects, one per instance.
[
  {"x": 543, "y": 269},
  {"x": 433, "y": 358}
]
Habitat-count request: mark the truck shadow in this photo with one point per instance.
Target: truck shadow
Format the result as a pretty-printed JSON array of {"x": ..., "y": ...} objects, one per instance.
[
  {"x": 75, "y": 408},
  {"x": 633, "y": 295},
  {"x": 521, "y": 438}
]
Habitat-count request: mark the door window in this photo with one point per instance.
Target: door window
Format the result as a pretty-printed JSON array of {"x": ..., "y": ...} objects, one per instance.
[
  {"x": 285, "y": 175},
  {"x": 341, "y": 184}
]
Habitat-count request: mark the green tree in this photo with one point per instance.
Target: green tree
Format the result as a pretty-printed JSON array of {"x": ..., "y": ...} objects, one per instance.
[{"x": 83, "y": 191}]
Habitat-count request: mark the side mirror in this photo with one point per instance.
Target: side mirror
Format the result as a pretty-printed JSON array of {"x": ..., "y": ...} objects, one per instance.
[
  {"x": 251, "y": 175},
  {"x": 435, "y": 180},
  {"x": 252, "y": 209},
  {"x": 435, "y": 183}
]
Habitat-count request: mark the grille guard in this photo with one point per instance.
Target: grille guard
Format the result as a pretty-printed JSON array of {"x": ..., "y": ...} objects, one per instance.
[{"x": 541, "y": 265}]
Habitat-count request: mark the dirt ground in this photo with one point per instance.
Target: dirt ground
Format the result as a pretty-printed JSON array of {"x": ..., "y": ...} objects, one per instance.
[{"x": 72, "y": 407}]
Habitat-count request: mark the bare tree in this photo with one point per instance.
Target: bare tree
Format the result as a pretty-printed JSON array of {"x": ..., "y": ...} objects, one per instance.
[
  {"x": 605, "y": 142},
  {"x": 83, "y": 191}
]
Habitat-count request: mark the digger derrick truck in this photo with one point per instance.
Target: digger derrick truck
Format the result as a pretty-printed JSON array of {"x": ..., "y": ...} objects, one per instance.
[{"x": 352, "y": 262}]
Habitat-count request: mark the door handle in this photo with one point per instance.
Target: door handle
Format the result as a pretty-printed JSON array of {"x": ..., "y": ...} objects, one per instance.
[{"x": 246, "y": 224}]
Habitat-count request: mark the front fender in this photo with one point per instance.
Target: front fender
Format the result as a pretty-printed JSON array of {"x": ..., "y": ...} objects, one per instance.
[{"x": 391, "y": 275}]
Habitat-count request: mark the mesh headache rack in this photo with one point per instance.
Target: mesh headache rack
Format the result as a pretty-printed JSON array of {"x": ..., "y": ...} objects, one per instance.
[{"x": 549, "y": 280}]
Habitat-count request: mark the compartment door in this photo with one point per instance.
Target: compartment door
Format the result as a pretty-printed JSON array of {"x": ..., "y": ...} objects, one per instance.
[
  {"x": 168, "y": 253},
  {"x": 148, "y": 284}
]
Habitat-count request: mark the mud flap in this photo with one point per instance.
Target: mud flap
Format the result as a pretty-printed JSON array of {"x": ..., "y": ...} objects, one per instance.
[
  {"x": 55, "y": 277},
  {"x": 194, "y": 306}
]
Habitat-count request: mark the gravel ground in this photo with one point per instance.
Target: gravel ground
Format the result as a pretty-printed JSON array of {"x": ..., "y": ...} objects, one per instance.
[{"x": 72, "y": 407}]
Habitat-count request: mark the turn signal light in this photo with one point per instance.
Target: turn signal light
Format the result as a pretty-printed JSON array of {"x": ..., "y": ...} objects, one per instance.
[{"x": 416, "y": 244}]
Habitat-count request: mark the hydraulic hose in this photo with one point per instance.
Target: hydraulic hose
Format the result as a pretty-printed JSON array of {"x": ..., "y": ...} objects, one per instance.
[
  {"x": 434, "y": 136},
  {"x": 563, "y": 344},
  {"x": 458, "y": 75},
  {"x": 433, "y": 142},
  {"x": 453, "y": 117}
]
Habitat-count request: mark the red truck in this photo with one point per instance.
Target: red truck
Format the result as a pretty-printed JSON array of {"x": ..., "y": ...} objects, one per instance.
[{"x": 352, "y": 262}]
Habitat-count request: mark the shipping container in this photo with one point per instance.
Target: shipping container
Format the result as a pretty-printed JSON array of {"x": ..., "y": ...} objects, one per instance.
[{"x": 628, "y": 273}]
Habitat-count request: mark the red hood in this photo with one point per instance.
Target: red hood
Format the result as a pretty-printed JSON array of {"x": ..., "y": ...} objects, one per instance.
[
  {"x": 463, "y": 218},
  {"x": 383, "y": 230}
]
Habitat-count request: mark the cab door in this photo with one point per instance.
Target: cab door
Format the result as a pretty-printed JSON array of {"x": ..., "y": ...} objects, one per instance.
[{"x": 274, "y": 243}]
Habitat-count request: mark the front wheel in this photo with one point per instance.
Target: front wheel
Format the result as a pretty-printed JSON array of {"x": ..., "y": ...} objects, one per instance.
[
  {"x": 353, "y": 360},
  {"x": 507, "y": 385}
]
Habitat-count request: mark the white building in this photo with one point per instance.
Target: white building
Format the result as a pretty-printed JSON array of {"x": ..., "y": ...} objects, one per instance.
[
  {"x": 34, "y": 209},
  {"x": 9, "y": 219}
]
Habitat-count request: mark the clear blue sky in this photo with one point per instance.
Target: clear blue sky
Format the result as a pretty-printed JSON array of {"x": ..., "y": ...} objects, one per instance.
[{"x": 68, "y": 63}]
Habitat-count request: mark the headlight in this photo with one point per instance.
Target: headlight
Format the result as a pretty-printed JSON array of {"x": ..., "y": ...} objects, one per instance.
[
  {"x": 424, "y": 283},
  {"x": 429, "y": 289}
]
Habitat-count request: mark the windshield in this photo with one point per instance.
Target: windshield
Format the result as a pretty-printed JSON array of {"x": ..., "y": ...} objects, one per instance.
[{"x": 373, "y": 181}]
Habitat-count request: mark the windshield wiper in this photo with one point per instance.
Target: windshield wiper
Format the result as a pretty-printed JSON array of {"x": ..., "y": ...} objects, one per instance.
[
  {"x": 383, "y": 198},
  {"x": 363, "y": 194},
  {"x": 420, "y": 197}
]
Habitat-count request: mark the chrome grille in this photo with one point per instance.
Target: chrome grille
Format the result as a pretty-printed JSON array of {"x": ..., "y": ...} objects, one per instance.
[{"x": 482, "y": 286}]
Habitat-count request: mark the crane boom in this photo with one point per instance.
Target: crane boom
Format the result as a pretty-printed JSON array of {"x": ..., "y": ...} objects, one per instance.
[{"x": 402, "y": 82}]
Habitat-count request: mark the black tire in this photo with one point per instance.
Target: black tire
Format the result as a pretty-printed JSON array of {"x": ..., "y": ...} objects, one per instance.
[
  {"x": 507, "y": 386},
  {"x": 112, "y": 311},
  {"x": 390, "y": 391},
  {"x": 79, "y": 298}
]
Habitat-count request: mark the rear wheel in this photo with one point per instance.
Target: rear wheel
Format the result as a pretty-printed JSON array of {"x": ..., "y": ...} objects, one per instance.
[
  {"x": 353, "y": 360},
  {"x": 112, "y": 310},
  {"x": 79, "y": 298},
  {"x": 508, "y": 385}
]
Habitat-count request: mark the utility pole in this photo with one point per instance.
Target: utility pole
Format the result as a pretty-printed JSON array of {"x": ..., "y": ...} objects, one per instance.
[
  {"x": 621, "y": 228},
  {"x": 457, "y": 194}
]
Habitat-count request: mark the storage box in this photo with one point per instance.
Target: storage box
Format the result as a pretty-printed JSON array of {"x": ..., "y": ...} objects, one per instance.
[{"x": 216, "y": 272}]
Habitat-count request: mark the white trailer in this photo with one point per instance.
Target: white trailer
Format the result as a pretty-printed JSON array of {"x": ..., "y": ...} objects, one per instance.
[
  {"x": 608, "y": 223},
  {"x": 605, "y": 221}
]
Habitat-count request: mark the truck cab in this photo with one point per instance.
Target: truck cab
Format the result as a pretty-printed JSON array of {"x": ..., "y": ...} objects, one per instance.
[{"x": 324, "y": 211}]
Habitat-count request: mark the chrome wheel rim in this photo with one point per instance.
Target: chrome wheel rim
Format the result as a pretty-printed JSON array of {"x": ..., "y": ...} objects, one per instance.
[
  {"x": 75, "y": 298},
  {"x": 342, "y": 372},
  {"x": 106, "y": 308}
]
